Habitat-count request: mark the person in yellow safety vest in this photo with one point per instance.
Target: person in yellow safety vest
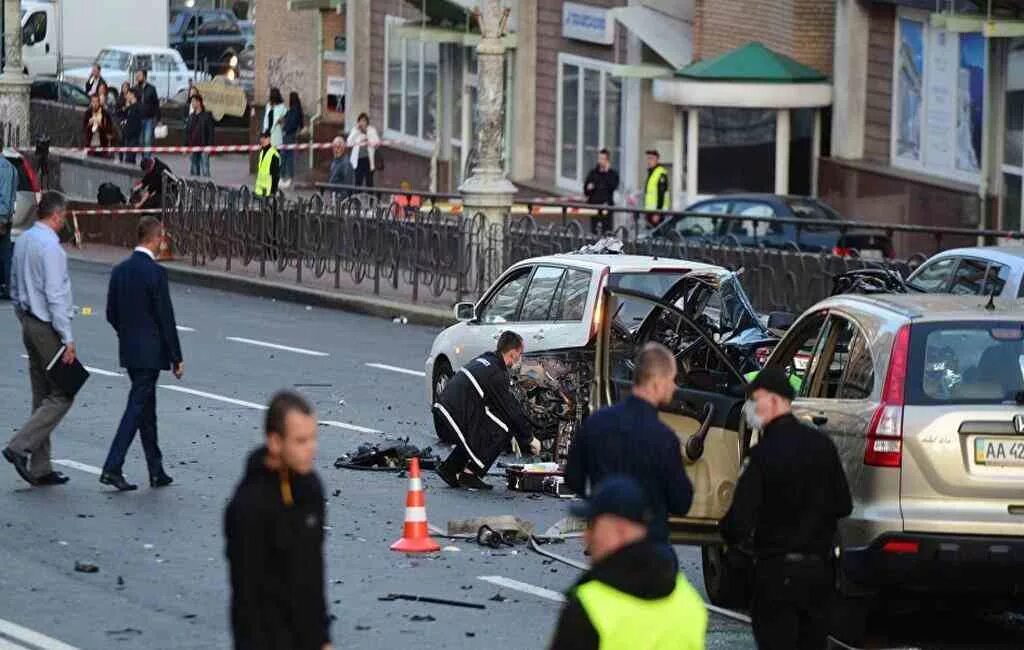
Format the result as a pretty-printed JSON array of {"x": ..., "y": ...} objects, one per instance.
[
  {"x": 656, "y": 194},
  {"x": 632, "y": 598},
  {"x": 268, "y": 169}
]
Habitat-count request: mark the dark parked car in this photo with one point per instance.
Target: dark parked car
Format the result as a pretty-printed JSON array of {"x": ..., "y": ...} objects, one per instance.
[
  {"x": 218, "y": 34},
  {"x": 809, "y": 238},
  {"x": 58, "y": 91}
]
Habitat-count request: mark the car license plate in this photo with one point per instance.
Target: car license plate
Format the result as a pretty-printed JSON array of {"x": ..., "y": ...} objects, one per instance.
[
  {"x": 998, "y": 451},
  {"x": 871, "y": 254}
]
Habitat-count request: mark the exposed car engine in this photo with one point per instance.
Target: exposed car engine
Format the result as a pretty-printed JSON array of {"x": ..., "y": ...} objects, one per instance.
[{"x": 554, "y": 389}]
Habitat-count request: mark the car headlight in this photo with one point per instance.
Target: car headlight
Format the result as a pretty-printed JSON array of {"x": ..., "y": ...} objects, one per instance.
[{"x": 233, "y": 62}]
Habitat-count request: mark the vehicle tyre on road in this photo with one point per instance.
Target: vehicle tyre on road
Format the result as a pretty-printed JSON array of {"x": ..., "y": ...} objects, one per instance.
[{"x": 726, "y": 578}]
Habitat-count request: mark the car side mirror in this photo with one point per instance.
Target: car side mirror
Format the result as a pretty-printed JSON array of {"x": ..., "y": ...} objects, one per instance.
[
  {"x": 465, "y": 312},
  {"x": 780, "y": 320}
]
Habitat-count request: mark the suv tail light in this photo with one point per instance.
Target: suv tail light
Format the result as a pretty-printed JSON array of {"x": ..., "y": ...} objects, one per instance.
[
  {"x": 33, "y": 177},
  {"x": 885, "y": 436},
  {"x": 595, "y": 324},
  {"x": 842, "y": 251}
]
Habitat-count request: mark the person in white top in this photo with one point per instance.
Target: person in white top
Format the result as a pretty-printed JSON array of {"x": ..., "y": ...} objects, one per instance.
[
  {"x": 273, "y": 118},
  {"x": 363, "y": 141}
]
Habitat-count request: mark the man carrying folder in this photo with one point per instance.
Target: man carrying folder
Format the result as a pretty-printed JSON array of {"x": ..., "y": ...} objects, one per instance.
[
  {"x": 41, "y": 293},
  {"x": 140, "y": 311}
]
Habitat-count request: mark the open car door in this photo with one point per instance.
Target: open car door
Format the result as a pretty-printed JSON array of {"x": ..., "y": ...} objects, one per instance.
[{"x": 705, "y": 412}]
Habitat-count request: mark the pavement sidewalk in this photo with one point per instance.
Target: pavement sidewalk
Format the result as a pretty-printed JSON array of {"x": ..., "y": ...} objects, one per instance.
[{"x": 352, "y": 296}]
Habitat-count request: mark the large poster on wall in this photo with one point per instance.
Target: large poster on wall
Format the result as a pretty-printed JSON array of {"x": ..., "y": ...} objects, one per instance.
[{"x": 939, "y": 99}]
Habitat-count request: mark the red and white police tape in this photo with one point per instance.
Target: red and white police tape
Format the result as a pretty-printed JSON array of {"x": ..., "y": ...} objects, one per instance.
[{"x": 217, "y": 148}]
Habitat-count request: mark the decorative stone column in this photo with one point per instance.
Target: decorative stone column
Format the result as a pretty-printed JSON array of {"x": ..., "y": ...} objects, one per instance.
[
  {"x": 14, "y": 84},
  {"x": 488, "y": 191}
]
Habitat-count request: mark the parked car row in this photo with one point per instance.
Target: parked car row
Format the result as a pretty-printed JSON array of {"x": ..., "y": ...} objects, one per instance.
[{"x": 922, "y": 392}]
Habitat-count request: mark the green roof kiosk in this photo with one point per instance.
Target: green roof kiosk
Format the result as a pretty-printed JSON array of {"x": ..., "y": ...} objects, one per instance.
[{"x": 749, "y": 77}]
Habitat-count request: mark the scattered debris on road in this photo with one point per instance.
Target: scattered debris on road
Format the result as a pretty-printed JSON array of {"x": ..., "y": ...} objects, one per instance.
[
  {"x": 470, "y": 528},
  {"x": 431, "y": 600},
  {"x": 392, "y": 458},
  {"x": 427, "y": 618},
  {"x": 86, "y": 567}
]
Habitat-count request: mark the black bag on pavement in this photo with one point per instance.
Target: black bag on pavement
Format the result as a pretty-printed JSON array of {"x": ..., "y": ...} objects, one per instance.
[{"x": 110, "y": 194}]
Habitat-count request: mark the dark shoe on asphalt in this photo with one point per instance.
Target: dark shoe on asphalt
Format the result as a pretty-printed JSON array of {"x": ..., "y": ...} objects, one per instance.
[
  {"x": 448, "y": 476},
  {"x": 20, "y": 462},
  {"x": 160, "y": 480},
  {"x": 473, "y": 482},
  {"x": 53, "y": 478},
  {"x": 118, "y": 481}
]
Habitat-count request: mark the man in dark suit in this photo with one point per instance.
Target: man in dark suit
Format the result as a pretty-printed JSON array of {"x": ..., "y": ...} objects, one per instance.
[{"x": 140, "y": 311}]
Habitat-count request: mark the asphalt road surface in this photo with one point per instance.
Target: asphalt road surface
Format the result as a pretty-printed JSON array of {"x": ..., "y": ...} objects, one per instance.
[{"x": 162, "y": 579}]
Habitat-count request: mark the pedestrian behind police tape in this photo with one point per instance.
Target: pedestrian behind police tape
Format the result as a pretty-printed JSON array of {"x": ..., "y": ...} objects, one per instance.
[
  {"x": 656, "y": 194},
  {"x": 632, "y": 598},
  {"x": 41, "y": 293},
  {"x": 479, "y": 414},
  {"x": 274, "y": 525},
  {"x": 789, "y": 497},
  {"x": 629, "y": 439},
  {"x": 139, "y": 309}
]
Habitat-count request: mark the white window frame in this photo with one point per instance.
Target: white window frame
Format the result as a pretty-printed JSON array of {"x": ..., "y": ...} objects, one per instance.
[
  {"x": 921, "y": 166},
  {"x": 583, "y": 63},
  {"x": 400, "y": 136}
]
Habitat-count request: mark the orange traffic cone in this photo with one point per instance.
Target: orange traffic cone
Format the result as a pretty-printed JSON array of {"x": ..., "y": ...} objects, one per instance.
[{"x": 415, "y": 535}]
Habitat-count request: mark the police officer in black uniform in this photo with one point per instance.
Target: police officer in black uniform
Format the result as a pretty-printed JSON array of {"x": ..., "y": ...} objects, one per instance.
[
  {"x": 479, "y": 414},
  {"x": 791, "y": 493}
]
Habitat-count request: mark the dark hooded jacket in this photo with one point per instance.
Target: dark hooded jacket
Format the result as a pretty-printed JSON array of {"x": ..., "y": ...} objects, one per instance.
[
  {"x": 642, "y": 570},
  {"x": 275, "y": 556}
]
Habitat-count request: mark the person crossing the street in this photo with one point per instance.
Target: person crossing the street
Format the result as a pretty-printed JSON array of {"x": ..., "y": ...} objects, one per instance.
[
  {"x": 479, "y": 414},
  {"x": 632, "y": 598},
  {"x": 791, "y": 493},
  {"x": 629, "y": 439}
]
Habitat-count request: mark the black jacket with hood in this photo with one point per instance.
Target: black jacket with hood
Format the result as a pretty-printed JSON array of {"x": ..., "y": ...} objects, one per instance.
[
  {"x": 642, "y": 570},
  {"x": 275, "y": 532}
]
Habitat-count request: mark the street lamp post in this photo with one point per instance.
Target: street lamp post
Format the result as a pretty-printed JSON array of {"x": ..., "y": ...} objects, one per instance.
[
  {"x": 488, "y": 191},
  {"x": 14, "y": 84}
]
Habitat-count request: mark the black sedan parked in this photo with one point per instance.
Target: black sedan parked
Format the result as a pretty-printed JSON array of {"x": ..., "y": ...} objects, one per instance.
[
  {"x": 215, "y": 31},
  {"x": 769, "y": 233}
]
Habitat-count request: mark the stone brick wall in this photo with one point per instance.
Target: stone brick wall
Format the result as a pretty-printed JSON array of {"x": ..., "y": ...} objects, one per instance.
[
  {"x": 801, "y": 29},
  {"x": 878, "y": 116},
  {"x": 286, "y": 51}
]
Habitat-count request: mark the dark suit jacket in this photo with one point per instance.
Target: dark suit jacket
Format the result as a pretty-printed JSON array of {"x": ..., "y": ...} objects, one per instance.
[{"x": 139, "y": 308}]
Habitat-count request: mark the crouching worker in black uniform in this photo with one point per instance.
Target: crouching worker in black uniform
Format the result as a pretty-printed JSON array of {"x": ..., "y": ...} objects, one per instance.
[
  {"x": 478, "y": 412},
  {"x": 275, "y": 536},
  {"x": 790, "y": 495}
]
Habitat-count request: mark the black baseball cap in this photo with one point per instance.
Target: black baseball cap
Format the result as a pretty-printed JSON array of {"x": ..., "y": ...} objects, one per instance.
[
  {"x": 616, "y": 495},
  {"x": 773, "y": 380},
  {"x": 265, "y": 134}
]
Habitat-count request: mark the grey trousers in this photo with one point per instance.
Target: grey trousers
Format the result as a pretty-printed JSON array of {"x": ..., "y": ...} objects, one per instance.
[{"x": 49, "y": 403}]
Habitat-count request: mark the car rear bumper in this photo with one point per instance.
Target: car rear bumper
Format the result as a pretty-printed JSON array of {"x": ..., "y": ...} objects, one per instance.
[{"x": 943, "y": 564}]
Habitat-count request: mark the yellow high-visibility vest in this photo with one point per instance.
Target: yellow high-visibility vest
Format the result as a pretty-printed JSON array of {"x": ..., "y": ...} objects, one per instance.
[
  {"x": 651, "y": 194},
  {"x": 264, "y": 181}
]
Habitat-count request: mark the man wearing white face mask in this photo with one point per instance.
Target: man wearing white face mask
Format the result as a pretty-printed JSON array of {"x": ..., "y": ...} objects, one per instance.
[
  {"x": 479, "y": 414},
  {"x": 789, "y": 497}
]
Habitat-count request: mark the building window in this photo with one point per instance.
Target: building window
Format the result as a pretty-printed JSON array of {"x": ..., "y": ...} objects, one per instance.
[
  {"x": 410, "y": 84},
  {"x": 589, "y": 118},
  {"x": 938, "y": 99}
]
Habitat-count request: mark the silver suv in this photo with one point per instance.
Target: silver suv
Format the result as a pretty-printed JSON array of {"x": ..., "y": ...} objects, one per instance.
[{"x": 924, "y": 398}]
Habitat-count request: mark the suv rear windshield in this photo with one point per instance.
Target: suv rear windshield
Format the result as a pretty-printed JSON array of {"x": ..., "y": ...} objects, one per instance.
[
  {"x": 969, "y": 362},
  {"x": 654, "y": 283}
]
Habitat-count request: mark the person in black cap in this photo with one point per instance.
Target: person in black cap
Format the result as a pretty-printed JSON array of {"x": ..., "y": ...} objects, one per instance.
[
  {"x": 790, "y": 495},
  {"x": 632, "y": 598}
]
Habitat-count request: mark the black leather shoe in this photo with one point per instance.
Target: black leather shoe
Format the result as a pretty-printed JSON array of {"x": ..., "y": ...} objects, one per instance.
[
  {"x": 473, "y": 482},
  {"x": 118, "y": 481},
  {"x": 53, "y": 478},
  {"x": 448, "y": 476},
  {"x": 20, "y": 462},
  {"x": 160, "y": 480}
]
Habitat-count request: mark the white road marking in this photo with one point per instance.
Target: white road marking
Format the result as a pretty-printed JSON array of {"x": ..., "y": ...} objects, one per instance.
[
  {"x": 95, "y": 371},
  {"x": 404, "y": 371},
  {"x": 261, "y": 407},
  {"x": 7, "y": 645},
  {"x": 82, "y": 467},
  {"x": 41, "y": 641},
  {"x": 277, "y": 346},
  {"x": 524, "y": 587},
  {"x": 182, "y": 328}
]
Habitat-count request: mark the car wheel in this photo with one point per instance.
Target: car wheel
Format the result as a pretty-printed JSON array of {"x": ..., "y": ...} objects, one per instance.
[
  {"x": 442, "y": 373},
  {"x": 726, "y": 579}
]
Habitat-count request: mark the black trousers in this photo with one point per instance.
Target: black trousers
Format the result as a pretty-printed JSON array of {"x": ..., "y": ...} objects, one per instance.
[
  {"x": 473, "y": 452},
  {"x": 364, "y": 175},
  {"x": 792, "y": 601},
  {"x": 139, "y": 415}
]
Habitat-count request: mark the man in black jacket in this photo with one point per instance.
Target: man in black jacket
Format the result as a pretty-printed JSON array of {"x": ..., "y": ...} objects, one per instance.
[
  {"x": 274, "y": 527},
  {"x": 632, "y": 598},
  {"x": 478, "y": 412},
  {"x": 599, "y": 187},
  {"x": 791, "y": 493},
  {"x": 140, "y": 311},
  {"x": 149, "y": 109}
]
